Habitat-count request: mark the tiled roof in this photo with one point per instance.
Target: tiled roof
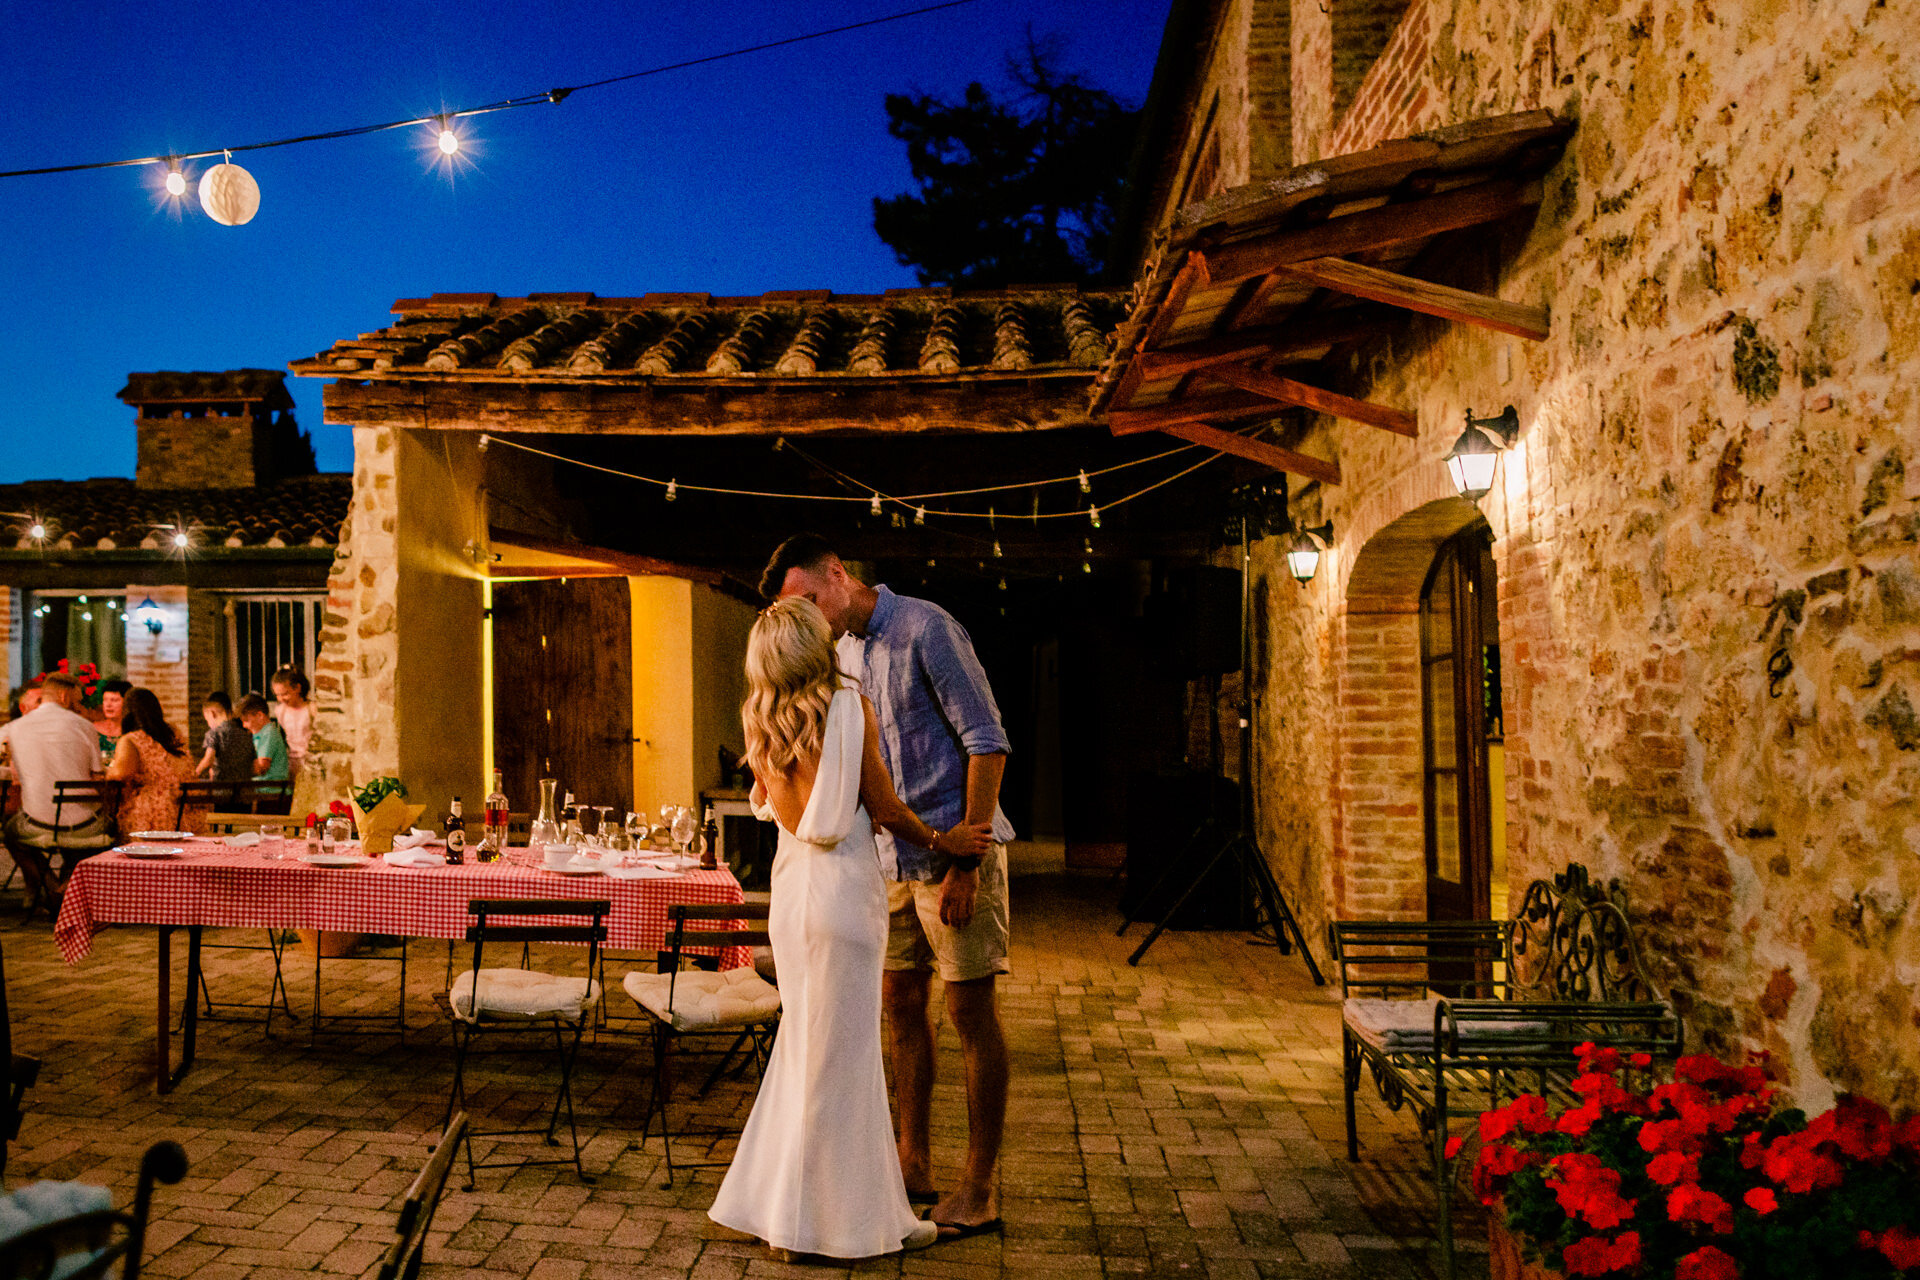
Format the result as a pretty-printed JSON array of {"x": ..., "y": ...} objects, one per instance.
[
  {"x": 114, "y": 514},
  {"x": 265, "y": 385},
  {"x": 695, "y": 338}
]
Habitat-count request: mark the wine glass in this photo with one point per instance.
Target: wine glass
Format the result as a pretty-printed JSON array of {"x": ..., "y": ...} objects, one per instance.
[
  {"x": 589, "y": 819},
  {"x": 637, "y": 829},
  {"x": 616, "y": 838},
  {"x": 684, "y": 829},
  {"x": 607, "y": 829}
]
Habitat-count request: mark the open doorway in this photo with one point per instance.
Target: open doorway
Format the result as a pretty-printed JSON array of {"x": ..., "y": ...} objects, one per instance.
[{"x": 1461, "y": 730}]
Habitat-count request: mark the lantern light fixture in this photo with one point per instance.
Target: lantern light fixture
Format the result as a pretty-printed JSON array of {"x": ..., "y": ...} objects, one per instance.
[
  {"x": 1303, "y": 557},
  {"x": 1475, "y": 455},
  {"x": 229, "y": 194},
  {"x": 150, "y": 616}
]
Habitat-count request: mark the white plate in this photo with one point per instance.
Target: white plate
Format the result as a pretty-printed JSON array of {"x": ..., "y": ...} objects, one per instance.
[
  {"x": 578, "y": 871},
  {"x": 160, "y": 835},
  {"x": 149, "y": 851},
  {"x": 335, "y": 859}
]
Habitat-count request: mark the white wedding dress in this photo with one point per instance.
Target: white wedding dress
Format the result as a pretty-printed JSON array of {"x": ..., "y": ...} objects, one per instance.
[{"x": 816, "y": 1171}]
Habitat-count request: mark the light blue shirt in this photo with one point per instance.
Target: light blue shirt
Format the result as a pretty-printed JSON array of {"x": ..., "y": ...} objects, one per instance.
[{"x": 935, "y": 710}]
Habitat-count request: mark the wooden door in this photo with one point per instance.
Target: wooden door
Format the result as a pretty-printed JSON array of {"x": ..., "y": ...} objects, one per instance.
[
  {"x": 563, "y": 689},
  {"x": 1459, "y": 677}
]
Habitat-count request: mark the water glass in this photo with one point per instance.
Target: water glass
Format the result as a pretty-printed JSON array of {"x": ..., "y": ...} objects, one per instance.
[{"x": 273, "y": 841}]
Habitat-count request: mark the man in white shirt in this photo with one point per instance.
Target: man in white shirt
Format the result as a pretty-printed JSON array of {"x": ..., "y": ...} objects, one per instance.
[{"x": 51, "y": 744}]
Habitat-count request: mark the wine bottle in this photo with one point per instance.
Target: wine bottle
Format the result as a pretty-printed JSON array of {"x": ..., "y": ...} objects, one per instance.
[
  {"x": 493, "y": 841},
  {"x": 455, "y": 827},
  {"x": 709, "y": 841}
]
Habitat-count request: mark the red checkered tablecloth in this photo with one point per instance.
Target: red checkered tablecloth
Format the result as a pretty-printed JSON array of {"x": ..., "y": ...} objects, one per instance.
[{"x": 214, "y": 884}]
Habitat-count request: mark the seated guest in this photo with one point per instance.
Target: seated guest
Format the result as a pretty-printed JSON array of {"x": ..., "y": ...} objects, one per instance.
[
  {"x": 51, "y": 744},
  {"x": 113, "y": 707},
  {"x": 227, "y": 748},
  {"x": 269, "y": 747},
  {"x": 153, "y": 761},
  {"x": 26, "y": 700},
  {"x": 294, "y": 713}
]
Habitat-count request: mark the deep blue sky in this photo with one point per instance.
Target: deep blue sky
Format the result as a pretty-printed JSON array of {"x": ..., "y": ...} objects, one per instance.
[{"x": 734, "y": 178}]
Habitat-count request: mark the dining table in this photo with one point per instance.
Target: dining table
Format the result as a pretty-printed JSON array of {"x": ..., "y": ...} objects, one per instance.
[{"x": 202, "y": 883}]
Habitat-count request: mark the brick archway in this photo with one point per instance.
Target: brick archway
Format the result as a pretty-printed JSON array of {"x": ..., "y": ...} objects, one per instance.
[{"x": 1379, "y": 859}]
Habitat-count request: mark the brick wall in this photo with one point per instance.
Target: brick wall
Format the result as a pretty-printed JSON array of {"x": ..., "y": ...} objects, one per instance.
[
  {"x": 1380, "y": 80},
  {"x": 1362, "y": 31},
  {"x": 1705, "y": 538},
  {"x": 195, "y": 453},
  {"x": 10, "y": 658},
  {"x": 159, "y": 662}
]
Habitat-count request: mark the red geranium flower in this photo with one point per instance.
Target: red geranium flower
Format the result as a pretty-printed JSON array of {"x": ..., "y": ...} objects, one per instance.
[
  {"x": 1761, "y": 1200},
  {"x": 1670, "y": 1167},
  {"x": 1598, "y": 1255},
  {"x": 1900, "y": 1246},
  {"x": 340, "y": 807},
  {"x": 1690, "y": 1202},
  {"x": 1706, "y": 1263},
  {"x": 1588, "y": 1190}
]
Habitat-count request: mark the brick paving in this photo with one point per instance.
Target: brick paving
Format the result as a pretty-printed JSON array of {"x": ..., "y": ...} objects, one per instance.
[{"x": 1181, "y": 1119}]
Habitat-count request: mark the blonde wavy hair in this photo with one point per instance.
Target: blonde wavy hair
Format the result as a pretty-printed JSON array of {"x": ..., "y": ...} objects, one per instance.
[{"x": 791, "y": 680}]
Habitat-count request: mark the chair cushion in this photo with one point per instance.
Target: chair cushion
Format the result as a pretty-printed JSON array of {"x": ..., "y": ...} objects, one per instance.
[
  {"x": 523, "y": 993},
  {"x": 703, "y": 999},
  {"x": 1406, "y": 1026}
]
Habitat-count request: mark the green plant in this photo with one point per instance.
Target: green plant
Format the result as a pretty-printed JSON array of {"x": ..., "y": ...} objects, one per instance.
[
  {"x": 1702, "y": 1178},
  {"x": 376, "y": 790}
]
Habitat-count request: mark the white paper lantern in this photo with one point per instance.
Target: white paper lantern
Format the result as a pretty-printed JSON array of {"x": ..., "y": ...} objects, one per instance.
[{"x": 229, "y": 195}]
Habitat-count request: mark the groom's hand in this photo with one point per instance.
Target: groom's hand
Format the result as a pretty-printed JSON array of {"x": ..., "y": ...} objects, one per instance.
[{"x": 957, "y": 893}]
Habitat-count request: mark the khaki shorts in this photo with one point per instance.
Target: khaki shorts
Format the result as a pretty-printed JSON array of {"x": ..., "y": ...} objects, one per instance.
[{"x": 916, "y": 940}]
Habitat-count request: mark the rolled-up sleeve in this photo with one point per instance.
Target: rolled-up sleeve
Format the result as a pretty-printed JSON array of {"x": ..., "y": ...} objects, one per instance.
[{"x": 959, "y": 683}]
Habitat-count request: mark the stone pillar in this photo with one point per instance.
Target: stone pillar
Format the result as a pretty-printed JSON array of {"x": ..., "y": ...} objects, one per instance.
[
  {"x": 10, "y": 662},
  {"x": 158, "y": 661}
]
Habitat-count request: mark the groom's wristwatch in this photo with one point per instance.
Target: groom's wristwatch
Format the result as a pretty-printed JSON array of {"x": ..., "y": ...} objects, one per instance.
[{"x": 971, "y": 862}]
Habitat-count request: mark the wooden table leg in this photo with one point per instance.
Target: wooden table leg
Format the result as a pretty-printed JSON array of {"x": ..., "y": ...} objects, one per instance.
[{"x": 166, "y": 1075}]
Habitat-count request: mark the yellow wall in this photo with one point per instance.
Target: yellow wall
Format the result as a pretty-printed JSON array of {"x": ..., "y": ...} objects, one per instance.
[
  {"x": 689, "y": 644},
  {"x": 440, "y": 685}
]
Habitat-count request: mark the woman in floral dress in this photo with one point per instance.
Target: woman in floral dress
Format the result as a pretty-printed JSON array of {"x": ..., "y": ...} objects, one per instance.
[{"x": 153, "y": 762}]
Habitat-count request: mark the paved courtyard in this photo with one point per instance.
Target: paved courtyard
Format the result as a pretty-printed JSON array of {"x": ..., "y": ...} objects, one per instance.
[{"x": 1182, "y": 1118}]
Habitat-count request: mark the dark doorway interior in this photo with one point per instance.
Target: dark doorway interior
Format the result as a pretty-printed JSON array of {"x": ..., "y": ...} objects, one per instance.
[{"x": 1461, "y": 719}]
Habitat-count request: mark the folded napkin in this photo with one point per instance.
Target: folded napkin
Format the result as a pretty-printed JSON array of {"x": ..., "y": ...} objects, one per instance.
[
  {"x": 414, "y": 839},
  {"x": 642, "y": 872},
  {"x": 414, "y": 856},
  {"x": 245, "y": 840}
]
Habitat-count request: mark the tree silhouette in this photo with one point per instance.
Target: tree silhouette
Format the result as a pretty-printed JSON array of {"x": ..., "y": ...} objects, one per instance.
[{"x": 1020, "y": 189}]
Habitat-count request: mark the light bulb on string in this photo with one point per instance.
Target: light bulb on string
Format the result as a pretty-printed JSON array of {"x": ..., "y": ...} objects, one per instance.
[
  {"x": 1093, "y": 514},
  {"x": 874, "y": 507},
  {"x": 449, "y": 140},
  {"x": 37, "y": 531},
  {"x": 996, "y": 548},
  {"x": 1086, "y": 545},
  {"x": 673, "y": 490},
  {"x": 180, "y": 539},
  {"x": 1086, "y": 566},
  {"x": 1086, "y": 485},
  {"x": 176, "y": 180},
  {"x": 1003, "y": 584},
  {"x": 919, "y": 515}
]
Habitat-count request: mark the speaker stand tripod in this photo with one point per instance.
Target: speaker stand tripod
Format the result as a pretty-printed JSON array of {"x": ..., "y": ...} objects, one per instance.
[{"x": 1239, "y": 843}]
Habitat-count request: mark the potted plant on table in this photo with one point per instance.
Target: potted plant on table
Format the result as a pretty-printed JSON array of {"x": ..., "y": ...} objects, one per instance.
[{"x": 1704, "y": 1177}]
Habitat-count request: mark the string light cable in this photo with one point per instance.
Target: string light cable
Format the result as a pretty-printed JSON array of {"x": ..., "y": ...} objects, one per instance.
[
  {"x": 442, "y": 120},
  {"x": 868, "y": 493}
]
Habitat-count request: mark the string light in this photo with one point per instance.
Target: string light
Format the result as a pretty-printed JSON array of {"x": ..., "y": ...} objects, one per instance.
[
  {"x": 1086, "y": 485},
  {"x": 1093, "y": 514},
  {"x": 37, "y": 531},
  {"x": 875, "y": 508},
  {"x": 448, "y": 140},
  {"x": 996, "y": 548},
  {"x": 919, "y": 515},
  {"x": 180, "y": 538},
  {"x": 673, "y": 490}
]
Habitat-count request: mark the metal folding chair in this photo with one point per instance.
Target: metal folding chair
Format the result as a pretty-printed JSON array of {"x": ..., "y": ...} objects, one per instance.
[{"x": 423, "y": 1199}]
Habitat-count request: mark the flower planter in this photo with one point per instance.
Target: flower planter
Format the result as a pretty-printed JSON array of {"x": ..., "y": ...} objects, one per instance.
[{"x": 1506, "y": 1260}]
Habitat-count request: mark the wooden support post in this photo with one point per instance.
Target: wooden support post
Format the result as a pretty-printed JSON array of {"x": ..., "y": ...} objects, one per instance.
[{"x": 1424, "y": 296}]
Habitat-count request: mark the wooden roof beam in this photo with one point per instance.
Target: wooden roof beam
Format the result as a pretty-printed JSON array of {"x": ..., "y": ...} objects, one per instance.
[
  {"x": 1423, "y": 296},
  {"x": 1232, "y": 404},
  {"x": 1387, "y": 225},
  {"x": 1287, "y": 391},
  {"x": 1260, "y": 451},
  {"x": 1271, "y": 342},
  {"x": 1192, "y": 274}
]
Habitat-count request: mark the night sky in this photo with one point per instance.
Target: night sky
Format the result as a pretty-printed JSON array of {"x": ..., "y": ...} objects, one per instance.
[{"x": 733, "y": 178}]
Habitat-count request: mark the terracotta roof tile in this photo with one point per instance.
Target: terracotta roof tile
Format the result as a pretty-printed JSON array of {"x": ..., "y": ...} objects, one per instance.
[
  {"x": 783, "y": 335},
  {"x": 110, "y": 513}
]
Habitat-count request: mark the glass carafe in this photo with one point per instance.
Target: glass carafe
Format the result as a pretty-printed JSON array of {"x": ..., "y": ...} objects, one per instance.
[{"x": 546, "y": 828}]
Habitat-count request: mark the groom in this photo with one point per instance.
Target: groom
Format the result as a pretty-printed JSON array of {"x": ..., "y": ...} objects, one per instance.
[{"x": 941, "y": 738}]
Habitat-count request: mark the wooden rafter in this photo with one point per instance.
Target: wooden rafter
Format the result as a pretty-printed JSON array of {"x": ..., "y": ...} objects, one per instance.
[
  {"x": 1287, "y": 391},
  {"x": 1423, "y": 295},
  {"x": 1191, "y": 276},
  {"x": 1278, "y": 341},
  {"x": 1231, "y": 404},
  {"x": 1379, "y": 228},
  {"x": 1272, "y": 455}
]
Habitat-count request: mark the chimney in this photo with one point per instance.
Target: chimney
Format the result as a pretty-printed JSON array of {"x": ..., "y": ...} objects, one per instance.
[{"x": 231, "y": 430}]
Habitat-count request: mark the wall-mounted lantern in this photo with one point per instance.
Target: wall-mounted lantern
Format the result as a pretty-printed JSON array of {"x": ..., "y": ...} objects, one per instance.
[
  {"x": 151, "y": 615},
  {"x": 1303, "y": 558},
  {"x": 1476, "y": 453}
]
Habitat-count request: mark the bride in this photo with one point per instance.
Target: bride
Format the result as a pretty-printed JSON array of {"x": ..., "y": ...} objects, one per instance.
[{"x": 817, "y": 1170}]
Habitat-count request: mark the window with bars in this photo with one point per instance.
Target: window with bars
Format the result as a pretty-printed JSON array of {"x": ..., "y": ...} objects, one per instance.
[{"x": 267, "y": 632}]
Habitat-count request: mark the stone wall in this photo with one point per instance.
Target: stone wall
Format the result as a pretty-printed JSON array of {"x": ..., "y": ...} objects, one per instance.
[
  {"x": 214, "y": 452},
  {"x": 10, "y": 660},
  {"x": 159, "y": 662},
  {"x": 1706, "y": 533}
]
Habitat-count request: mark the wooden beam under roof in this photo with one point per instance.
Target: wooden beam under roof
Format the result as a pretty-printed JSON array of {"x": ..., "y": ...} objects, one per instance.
[
  {"x": 1232, "y": 404},
  {"x": 1272, "y": 455},
  {"x": 1423, "y": 296},
  {"x": 1287, "y": 391},
  {"x": 1191, "y": 275},
  {"x": 1378, "y": 228}
]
